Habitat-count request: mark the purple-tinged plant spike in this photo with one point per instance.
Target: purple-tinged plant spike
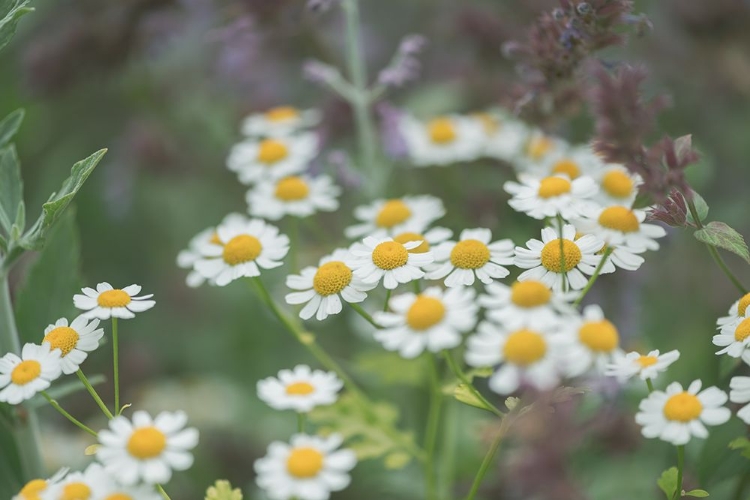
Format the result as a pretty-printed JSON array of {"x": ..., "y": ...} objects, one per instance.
[
  {"x": 405, "y": 66},
  {"x": 393, "y": 142},
  {"x": 319, "y": 72},
  {"x": 321, "y": 5},
  {"x": 344, "y": 173},
  {"x": 673, "y": 211}
]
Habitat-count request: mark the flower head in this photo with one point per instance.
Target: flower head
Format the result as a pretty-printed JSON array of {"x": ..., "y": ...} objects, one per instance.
[
  {"x": 524, "y": 304},
  {"x": 384, "y": 258},
  {"x": 504, "y": 135},
  {"x": 74, "y": 341},
  {"x": 36, "y": 487},
  {"x": 32, "y": 372},
  {"x": 442, "y": 140},
  {"x": 646, "y": 366},
  {"x": 256, "y": 160},
  {"x": 279, "y": 121},
  {"x": 396, "y": 216},
  {"x": 187, "y": 258},
  {"x": 297, "y": 195},
  {"x": 107, "y": 302},
  {"x": 300, "y": 389},
  {"x": 594, "y": 341},
  {"x": 551, "y": 196},
  {"x": 86, "y": 485},
  {"x": 738, "y": 311},
  {"x": 617, "y": 186},
  {"x": 620, "y": 226}
]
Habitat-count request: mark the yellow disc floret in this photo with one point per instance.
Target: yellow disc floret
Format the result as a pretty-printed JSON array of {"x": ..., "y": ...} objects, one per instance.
[
  {"x": 75, "y": 491},
  {"x": 524, "y": 347},
  {"x": 390, "y": 255},
  {"x": 568, "y": 167},
  {"x": 271, "y": 151},
  {"x": 242, "y": 248},
  {"x": 620, "y": 219},
  {"x": 599, "y": 336},
  {"x": 292, "y": 188},
  {"x": 470, "y": 254},
  {"x": 646, "y": 361},
  {"x": 32, "y": 489},
  {"x": 743, "y": 304},
  {"x": 425, "y": 313},
  {"x": 304, "y": 463},
  {"x": 392, "y": 213},
  {"x": 552, "y": 259},
  {"x": 113, "y": 298},
  {"x": 281, "y": 114},
  {"x": 530, "y": 293},
  {"x": 146, "y": 442},
  {"x": 742, "y": 331},
  {"x": 299, "y": 389},
  {"x": 407, "y": 237},
  {"x": 683, "y": 407},
  {"x": 441, "y": 130},
  {"x": 63, "y": 338},
  {"x": 332, "y": 277},
  {"x": 617, "y": 184},
  {"x": 549, "y": 187},
  {"x": 25, "y": 372},
  {"x": 539, "y": 146}
]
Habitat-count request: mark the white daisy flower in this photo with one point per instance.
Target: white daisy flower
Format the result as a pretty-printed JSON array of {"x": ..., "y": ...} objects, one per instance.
[
  {"x": 309, "y": 468},
  {"x": 78, "y": 485},
  {"x": 734, "y": 338},
  {"x": 537, "y": 148},
  {"x": 551, "y": 196},
  {"x": 472, "y": 255},
  {"x": 443, "y": 140},
  {"x": 505, "y": 136},
  {"x": 322, "y": 288},
  {"x": 22, "y": 377},
  {"x": 740, "y": 393},
  {"x": 300, "y": 389},
  {"x": 107, "y": 302},
  {"x": 620, "y": 226},
  {"x": 544, "y": 259},
  {"x": 738, "y": 311},
  {"x": 617, "y": 186},
  {"x": 524, "y": 304},
  {"x": 299, "y": 196},
  {"x": 74, "y": 341},
  {"x": 593, "y": 341},
  {"x": 676, "y": 415},
  {"x": 245, "y": 246},
  {"x": 620, "y": 256},
  {"x": 647, "y": 367},
  {"x": 524, "y": 357},
  {"x": 255, "y": 160},
  {"x": 429, "y": 238},
  {"x": 34, "y": 489},
  {"x": 395, "y": 216},
  {"x": 279, "y": 121},
  {"x": 383, "y": 258},
  {"x": 433, "y": 320},
  {"x": 147, "y": 450},
  {"x": 572, "y": 162}
]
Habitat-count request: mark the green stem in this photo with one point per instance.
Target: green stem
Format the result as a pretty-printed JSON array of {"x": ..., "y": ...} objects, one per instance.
[
  {"x": 94, "y": 394},
  {"x": 448, "y": 453},
  {"x": 294, "y": 244},
  {"x": 364, "y": 314},
  {"x": 463, "y": 378},
  {"x": 161, "y": 491},
  {"x": 650, "y": 385},
  {"x": 680, "y": 465},
  {"x": 560, "y": 224},
  {"x": 300, "y": 422},
  {"x": 67, "y": 415},
  {"x": 742, "y": 483},
  {"x": 116, "y": 364},
  {"x": 387, "y": 298},
  {"x": 417, "y": 285},
  {"x": 432, "y": 428},
  {"x": 592, "y": 279},
  {"x": 488, "y": 459}
]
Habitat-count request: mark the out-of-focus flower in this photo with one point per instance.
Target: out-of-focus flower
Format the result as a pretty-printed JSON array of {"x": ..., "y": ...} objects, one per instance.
[
  {"x": 551, "y": 196},
  {"x": 524, "y": 304},
  {"x": 300, "y": 389},
  {"x": 74, "y": 341},
  {"x": 279, "y": 121},
  {"x": 442, "y": 140},
  {"x": 107, "y": 302},
  {"x": 34, "y": 371},
  {"x": 594, "y": 341},
  {"x": 405, "y": 66},
  {"x": 620, "y": 226},
  {"x": 646, "y": 366},
  {"x": 395, "y": 216},
  {"x": 740, "y": 393},
  {"x": 272, "y": 158},
  {"x": 617, "y": 186},
  {"x": 299, "y": 196},
  {"x": 87, "y": 484},
  {"x": 187, "y": 258},
  {"x": 320, "y": 72},
  {"x": 36, "y": 487},
  {"x": 383, "y": 258},
  {"x": 321, "y": 5},
  {"x": 505, "y": 136}
]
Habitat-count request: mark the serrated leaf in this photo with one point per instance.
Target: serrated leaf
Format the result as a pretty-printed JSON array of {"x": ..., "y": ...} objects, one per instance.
[
  {"x": 10, "y": 13},
  {"x": 668, "y": 482},
  {"x": 222, "y": 490},
  {"x": 720, "y": 235},
  {"x": 701, "y": 207},
  {"x": 696, "y": 493},
  {"x": 11, "y": 187},
  {"x": 9, "y": 126}
]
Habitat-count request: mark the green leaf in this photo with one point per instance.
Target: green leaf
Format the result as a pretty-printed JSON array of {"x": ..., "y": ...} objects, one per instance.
[
  {"x": 700, "y": 206},
  {"x": 742, "y": 444},
  {"x": 11, "y": 187},
  {"x": 9, "y": 126},
  {"x": 58, "y": 202},
  {"x": 696, "y": 493},
  {"x": 10, "y": 12},
  {"x": 720, "y": 235},
  {"x": 668, "y": 482},
  {"x": 222, "y": 490},
  {"x": 465, "y": 395}
]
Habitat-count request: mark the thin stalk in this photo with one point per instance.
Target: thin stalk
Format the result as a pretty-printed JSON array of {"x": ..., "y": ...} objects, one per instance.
[
  {"x": 161, "y": 491},
  {"x": 67, "y": 415},
  {"x": 592, "y": 279},
  {"x": 417, "y": 286},
  {"x": 650, "y": 385},
  {"x": 448, "y": 452},
  {"x": 94, "y": 394},
  {"x": 294, "y": 243},
  {"x": 560, "y": 224},
  {"x": 116, "y": 364},
  {"x": 432, "y": 428},
  {"x": 301, "y": 422},
  {"x": 463, "y": 378},
  {"x": 387, "y": 298},
  {"x": 742, "y": 483},
  {"x": 680, "y": 466},
  {"x": 488, "y": 459},
  {"x": 364, "y": 314}
]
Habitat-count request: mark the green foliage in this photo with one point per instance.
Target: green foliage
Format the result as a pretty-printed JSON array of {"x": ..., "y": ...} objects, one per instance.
[
  {"x": 668, "y": 482},
  {"x": 701, "y": 207},
  {"x": 9, "y": 126},
  {"x": 720, "y": 235},
  {"x": 11, "y": 190},
  {"x": 392, "y": 369},
  {"x": 742, "y": 444},
  {"x": 222, "y": 490},
  {"x": 10, "y": 467},
  {"x": 10, "y": 13},
  {"x": 696, "y": 493}
]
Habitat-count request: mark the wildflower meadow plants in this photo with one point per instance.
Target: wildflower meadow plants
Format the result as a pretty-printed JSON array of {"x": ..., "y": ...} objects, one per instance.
[{"x": 498, "y": 323}]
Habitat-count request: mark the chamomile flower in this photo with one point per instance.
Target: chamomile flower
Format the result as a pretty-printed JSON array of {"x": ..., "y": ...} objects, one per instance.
[
  {"x": 740, "y": 393},
  {"x": 78, "y": 485},
  {"x": 734, "y": 337},
  {"x": 429, "y": 238},
  {"x": 677, "y": 414},
  {"x": 545, "y": 260},
  {"x": 74, "y": 341},
  {"x": 551, "y": 196},
  {"x": 34, "y": 489},
  {"x": 322, "y": 288},
  {"x": 114, "y": 491},
  {"x": 572, "y": 162},
  {"x": 146, "y": 450},
  {"x": 537, "y": 148},
  {"x": 244, "y": 247},
  {"x": 308, "y": 468},
  {"x": 300, "y": 389},
  {"x": 617, "y": 186},
  {"x": 295, "y": 195},
  {"x": 107, "y": 302},
  {"x": 504, "y": 135},
  {"x": 22, "y": 377},
  {"x": 647, "y": 366},
  {"x": 621, "y": 226},
  {"x": 255, "y": 160},
  {"x": 524, "y": 356},
  {"x": 396, "y": 216},
  {"x": 593, "y": 341},
  {"x": 524, "y": 304},
  {"x": 383, "y": 258},
  {"x": 738, "y": 311},
  {"x": 433, "y": 320},
  {"x": 473, "y": 255},
  {"x": 279, "y": 121},
  {"x": 442, "y": 140},
  {"x": 621, "y": 257}
]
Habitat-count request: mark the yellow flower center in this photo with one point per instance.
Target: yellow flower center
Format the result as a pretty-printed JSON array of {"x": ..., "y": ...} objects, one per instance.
[
  {"x": 147, "y": 442},
  {"x": 25, "y": 372},
  {"x": 742, "y": 331},
  {"x": 489, "y": 122},
  {"x": 441, "y": 130},
  {"x": 392, "y": 213},
  {"x": 425, "y": 313},
  {"x": 552, "y": 259},
  {"x": 524, "y": 347},
  {"x": 539, "y": 146},
  {"x": 32, "y": 489},
  {"x": 304, "y": 463},
  {"x": 76, "y": 491},
  {"x": 299, "y": 389},
  {"x": 568, "y": 167},
  {"x": 113, "y": 298},
  {"x": 331, "y": 278},
  {"x": 743, "y": 304},
  {"x": 617, "y": 184},
  {"x": 281, "y": 114},
  {"x": 271, "y": 151},
  {"x": 242, "y": 248},
  {"x": 620, "y": 219},
  {"x": 63, "y": 338},
  {"x": 530, "y": 293},
  {"x": 599, "y": 336},
  {"x": 292, "y": 188},
  {"x": 407, "y": 237},
  {"x": 683, "y": 407},
  {"x": 119, "y": 496},
  {"x": 646, "y": 361},
  {"x": 550, "y": 187},
  {"x": 470, "y": 254},
  {"x": 390, "y": 255}
]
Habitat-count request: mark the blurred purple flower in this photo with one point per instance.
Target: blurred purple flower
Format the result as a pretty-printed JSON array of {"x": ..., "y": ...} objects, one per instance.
[
  {"x": 238, "y": 48},
  {"x": 343, "y": 170},
  {"x": 321, "y": 5},
  {"x": 393, "y": 142},
  {"x": 404, "y": 67},
  {"x": 319, "y": 72}
]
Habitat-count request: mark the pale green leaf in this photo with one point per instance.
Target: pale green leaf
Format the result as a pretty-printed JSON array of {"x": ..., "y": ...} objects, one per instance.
[
  {"x": 9, "y": 126},
  {"x": 701, "y": 207},
  {"x": 222, "y": 490},
  {"x": 668, "y": 482},
  {"x": 720, "y": 235},
  {"x": 10, "y": 12},
  {"x": 11, "y": 187},
  {"x": 697, "y": 493}
]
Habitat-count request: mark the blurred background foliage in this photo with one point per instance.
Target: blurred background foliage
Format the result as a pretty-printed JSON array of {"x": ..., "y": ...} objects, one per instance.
[{"x": 164, "y": 83}]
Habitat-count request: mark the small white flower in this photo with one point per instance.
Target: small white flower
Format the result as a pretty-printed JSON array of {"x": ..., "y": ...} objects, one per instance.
[
  {"x": 243, "y": 248},
  {"x": 396, "y": 216},
  {"x": 593, "y": 341},
  {"x": 472, "y": 255},
  {"x": 551, "y": 196},
  {"x": 383, "y": 258},
  {"x": 524, "y": 356},
  {"x": 74, "y": 341},
  {"x": 147, "y": 450},
  {"x": 740, "y": 393},
  {"x": 309, "y": 468},
  {"x": 620, "y": 226},
  {"x": 85, "y": 485},
  {"x": 505, "y": 136},
  {"x": 273, "y": 158},
  {"x": 544, "y": 260},
  {"x": 620, "y": 256},
  {"x": 300, "y": 389},
  {"x": 525, "y": 304},
  {"x": 734, "y": 337},
  {"x": 429, "y": 238},
  {"x": 647, "y": 367},
  {"x": 676, "y": 415},
  {"x": 22, "y": 377},
  {"x": 617, "y": 186},
  {"x": 34, "y": 489},
  {"x": 738, "y": 311},
  {"x": 443, "y": 140},
  {"x": 322, "y": 288},
  {"x": 299, "y": 196},
  {"x": 279, "y": 121},
  {"x": 107, "y": 302},
  {"x": 539, "y": 147},
  {"x": 572, "y": 162},
  {"x": 433, "y": 320}
]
